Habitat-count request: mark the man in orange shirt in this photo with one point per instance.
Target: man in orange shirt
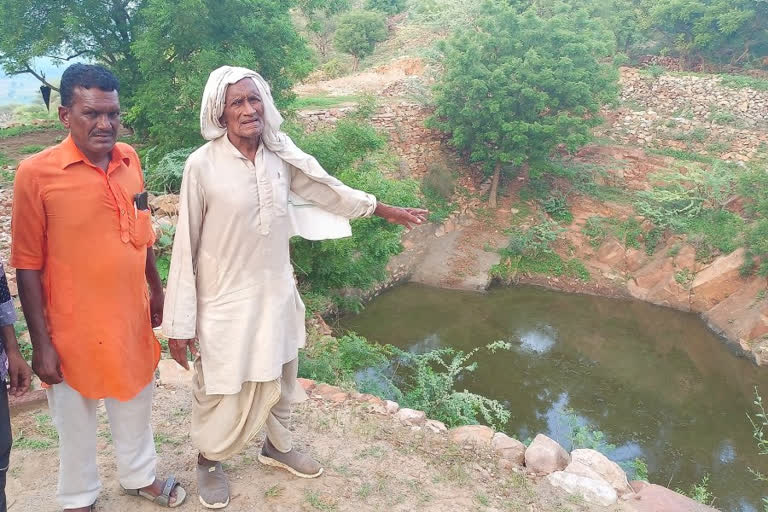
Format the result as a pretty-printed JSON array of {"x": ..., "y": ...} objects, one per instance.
[{"x": 82, "y": 247}]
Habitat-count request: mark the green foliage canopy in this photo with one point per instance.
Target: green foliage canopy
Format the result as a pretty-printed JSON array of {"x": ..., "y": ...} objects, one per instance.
[
  {"x": 519, "y": 84},
  {"x": 184, "y": 40},
  {"x": 386, "y": 6},
  {"x": 722, "y": 29},
  {"x": 101, "y": 30},
  {"x": 358, "y": 32}
]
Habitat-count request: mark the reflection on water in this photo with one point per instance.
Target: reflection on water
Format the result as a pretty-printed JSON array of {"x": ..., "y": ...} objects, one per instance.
[{"x": 656, "y": 382}]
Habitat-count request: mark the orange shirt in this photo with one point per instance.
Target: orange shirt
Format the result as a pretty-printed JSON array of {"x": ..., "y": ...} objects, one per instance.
[{"x": 78, "y": 225}]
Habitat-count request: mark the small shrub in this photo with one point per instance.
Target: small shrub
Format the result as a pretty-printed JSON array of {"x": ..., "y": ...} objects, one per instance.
[
  {"x": 699, "y": 491},
  {"x": 640, "y": 469},
  {"x": 743, "y": 82},
  {"x": 684, "y": 277},
  {"x": 163, "y": 247},
  {"x": 722, "y": 117},
  {"x": 557, "y": 208},
  {"x": 655, "y": 70},
  {"x": 166, "y": 176},
  {"x": 429, "y": 385},
  {"x": 652, "y": 239},
  {"x": 6, "y": 161},
  {"x": 32, "y": 148},
  {"x": 386, "y": 6},
  {"x": 759, "y": 427},
  {"x": 438, "y": 188},
  {"x": 335, "y": 68}
]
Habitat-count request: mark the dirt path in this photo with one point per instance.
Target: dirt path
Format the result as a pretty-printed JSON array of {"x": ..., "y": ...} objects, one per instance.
[{"x": 372, "y": 463}]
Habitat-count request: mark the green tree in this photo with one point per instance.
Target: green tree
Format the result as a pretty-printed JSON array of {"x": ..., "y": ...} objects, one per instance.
[
  {"x": 184, "y": 40},
  {"x": 321, "y": 21},
  {"x": 387, "y": 6},
  {"x": 62, "y": 30},
  {"x": 726, "y": 30},
  {"x": 518, "y": 84},
  {"x": 358, "y": 32}
]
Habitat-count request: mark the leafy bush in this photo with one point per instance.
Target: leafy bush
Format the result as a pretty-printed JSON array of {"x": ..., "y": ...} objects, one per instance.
[
  {"x": 387, "y": 6},
  {"x": 683, "y": 196},
  {"x": 759, "y": 427},
  {"x": 163, "y": 247},
  {"x": 430, "y": 384},
  {"x": 530, "y": 252},
  {"x": 181, "y": 41},
  {"x": 165, "y": 177},
  {"x": 359, "y": 32},
  {"x": 699, "y": 491},
  {"x": 32, "y": 148},
  {"x": 353, "y": 151},
  {"x": 425, "y": 382},
  {"x": 557, "y": 208},
  {"x": 335, "y": 68},
  {"x": 341, "y": 361},
  {"x": 438, "y": 188}
]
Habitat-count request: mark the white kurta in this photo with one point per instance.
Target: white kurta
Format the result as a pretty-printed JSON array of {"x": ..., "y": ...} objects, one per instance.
[{"x": 231, "y": 282}]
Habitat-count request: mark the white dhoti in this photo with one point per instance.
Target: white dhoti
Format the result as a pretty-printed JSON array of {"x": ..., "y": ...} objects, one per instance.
[{"x": 222, "y": 425}]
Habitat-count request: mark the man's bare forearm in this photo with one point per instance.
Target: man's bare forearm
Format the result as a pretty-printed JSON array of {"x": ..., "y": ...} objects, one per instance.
[{"x": 31, "y": 295}]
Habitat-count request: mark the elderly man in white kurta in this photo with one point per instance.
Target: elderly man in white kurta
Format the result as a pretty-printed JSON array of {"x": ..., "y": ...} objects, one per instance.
[{"x": 231, "y": 285}]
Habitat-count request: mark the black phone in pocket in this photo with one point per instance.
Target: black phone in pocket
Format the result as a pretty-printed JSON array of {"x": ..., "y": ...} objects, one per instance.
[{"x": 141, "y": 201}]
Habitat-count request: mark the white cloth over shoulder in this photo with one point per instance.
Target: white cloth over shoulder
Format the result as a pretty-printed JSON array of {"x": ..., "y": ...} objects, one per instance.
[{"x": 307, "y": 219}]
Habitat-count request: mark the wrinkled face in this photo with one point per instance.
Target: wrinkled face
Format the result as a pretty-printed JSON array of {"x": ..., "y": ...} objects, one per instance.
[
  {"x": 93, "y": 120},
  {"x": 243, "y": 110}
]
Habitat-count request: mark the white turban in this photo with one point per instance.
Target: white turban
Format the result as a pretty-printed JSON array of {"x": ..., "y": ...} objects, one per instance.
[{"x": 309, "y": 222}]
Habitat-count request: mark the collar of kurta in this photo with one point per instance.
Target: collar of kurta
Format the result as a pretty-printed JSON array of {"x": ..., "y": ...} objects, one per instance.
[{"x": 70, "y": 154}]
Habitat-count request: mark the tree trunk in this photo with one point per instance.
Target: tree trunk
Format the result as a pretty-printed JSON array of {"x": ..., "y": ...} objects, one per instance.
[{"x": 494, "y": 186}]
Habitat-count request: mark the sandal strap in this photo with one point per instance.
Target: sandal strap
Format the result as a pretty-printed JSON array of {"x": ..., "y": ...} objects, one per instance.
[{"x": 164, "y": 499}]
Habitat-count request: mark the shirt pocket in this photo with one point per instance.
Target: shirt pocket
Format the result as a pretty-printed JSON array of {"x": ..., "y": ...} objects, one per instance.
[
  {"x": 280, "y": 187},
  {"x": 141, "y": 231}
]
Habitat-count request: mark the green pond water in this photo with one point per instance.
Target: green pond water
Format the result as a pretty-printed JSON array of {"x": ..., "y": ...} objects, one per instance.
[{"x": 656, "y": 382}]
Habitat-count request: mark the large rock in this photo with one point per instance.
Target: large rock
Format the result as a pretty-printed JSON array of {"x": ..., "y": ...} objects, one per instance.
[
  {"x": 411, "y": 416},
  {"x": 611, "y": 253},
  {"x": 545, "y": 456},
  {"x": 166, "y": 205},
  {"x": 509, "y": 449},
  {"x": 655, "y": 498},
  {"x": 718, "y": 281},
  {"x": 587, "y": 462},
  {"x": 438, "y": 427},
  {"x": 596, "y": 492},
  {"x": 478, "y": 435},
  {"x": 171, "y": 373}
]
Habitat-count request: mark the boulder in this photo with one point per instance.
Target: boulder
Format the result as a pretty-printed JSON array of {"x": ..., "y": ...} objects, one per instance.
[
  {"x": 595, "y": 492},
  {"x": 165, "y": 205},
  {"x": 307, "y": 384},
  {"x": 411, "y": 416},
  {"x": 508, "y": 448},
  {"x": 330, "y": 393},
  {"x": 635, "y": 259},
  {"x": 599, "y": 464},
  {"x": 611, "y": 253},
  {"x": 718, "y": 281},
  {"x": 171, "y": 373},
  {"x": 435, "y": 426},
  {"x": 545, "y": 456},
  {"x": 391, "y": 407},
  {"x": 478, "y": 435},
  {"x": 655, "y": 498}
]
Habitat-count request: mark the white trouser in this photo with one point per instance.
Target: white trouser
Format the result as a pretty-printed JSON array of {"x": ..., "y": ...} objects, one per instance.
[{"x": 76, "y": 421}]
